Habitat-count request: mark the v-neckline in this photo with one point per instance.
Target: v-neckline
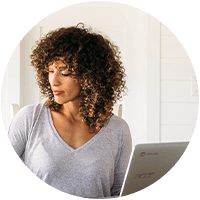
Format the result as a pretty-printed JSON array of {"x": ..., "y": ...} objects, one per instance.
[{"x": 65, "y": 144}]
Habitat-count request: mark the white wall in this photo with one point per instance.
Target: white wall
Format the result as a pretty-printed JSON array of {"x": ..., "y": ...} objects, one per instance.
[
  {"x": 11, "y": 86},
  {"x": 159, "y": 106},
  {"x": 179, "y": 106}
]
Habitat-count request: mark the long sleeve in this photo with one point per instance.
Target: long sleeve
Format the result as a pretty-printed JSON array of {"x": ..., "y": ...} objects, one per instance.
[
  {"x": 20, "y": 128},
  {"x": 123, "y": 160}
]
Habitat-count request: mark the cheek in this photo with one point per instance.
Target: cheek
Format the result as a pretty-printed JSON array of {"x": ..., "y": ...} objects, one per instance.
[
  {"x": 75, "y": 87},
  {"x": 78, "y": 86},
  {"x": 73, "y": 83}
]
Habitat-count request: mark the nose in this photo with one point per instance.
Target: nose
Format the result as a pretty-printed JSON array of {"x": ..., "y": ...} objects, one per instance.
[{"x": 54, "y": 79}]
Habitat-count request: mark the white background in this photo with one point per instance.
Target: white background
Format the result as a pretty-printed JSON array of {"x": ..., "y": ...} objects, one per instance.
[{"x": 158, "y": 107}]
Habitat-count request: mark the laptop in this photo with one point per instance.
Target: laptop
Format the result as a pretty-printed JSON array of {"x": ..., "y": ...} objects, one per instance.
[{"x": 148, "y": 163}]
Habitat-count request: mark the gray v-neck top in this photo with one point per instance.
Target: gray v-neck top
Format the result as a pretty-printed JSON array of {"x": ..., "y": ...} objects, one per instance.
[{"x": 94, "y": 170}]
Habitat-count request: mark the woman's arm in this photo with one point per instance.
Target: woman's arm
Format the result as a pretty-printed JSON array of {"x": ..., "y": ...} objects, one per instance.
[
  {"x": 19, "y": 129},
  {"x": 123, "y": 160}
]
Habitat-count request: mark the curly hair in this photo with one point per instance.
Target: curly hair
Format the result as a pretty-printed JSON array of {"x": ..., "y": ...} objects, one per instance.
[{"x": 89, "y": 56}]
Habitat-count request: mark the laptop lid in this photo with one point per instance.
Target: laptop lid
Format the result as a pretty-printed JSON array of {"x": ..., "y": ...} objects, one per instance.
[{"x": 149, "y": 162}]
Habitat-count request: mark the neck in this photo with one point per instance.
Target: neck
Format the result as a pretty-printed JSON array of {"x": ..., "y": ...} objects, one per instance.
[{"x": 71, "y": 111}]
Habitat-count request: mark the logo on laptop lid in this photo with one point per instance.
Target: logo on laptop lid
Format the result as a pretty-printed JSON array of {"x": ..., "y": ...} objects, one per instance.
[
  {"x": 148, "y": 154},
  {"x": 142, "y": 154}
]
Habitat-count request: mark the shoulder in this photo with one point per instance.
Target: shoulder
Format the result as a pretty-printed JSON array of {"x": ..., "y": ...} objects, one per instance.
[
  {"x": 27, "y": 115},
  {"x": 30, "y": 111},
  {"x": 119, "y": 128},
  {"x": 118, "y": 123},
  {"x": 21, "y": 126}
]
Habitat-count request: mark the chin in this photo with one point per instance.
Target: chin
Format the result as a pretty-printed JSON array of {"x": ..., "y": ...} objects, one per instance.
[
  {"x": 60, "y": 101},
  {"x": 65, "y": 100}
]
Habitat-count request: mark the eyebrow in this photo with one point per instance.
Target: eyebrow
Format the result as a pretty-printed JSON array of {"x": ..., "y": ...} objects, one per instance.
[
  {"x": 63, "y": 68},
  {"x": 60, "y": 68}
]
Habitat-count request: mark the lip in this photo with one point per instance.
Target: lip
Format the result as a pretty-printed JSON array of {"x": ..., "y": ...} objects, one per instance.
[{"x": 56, "y": 92}]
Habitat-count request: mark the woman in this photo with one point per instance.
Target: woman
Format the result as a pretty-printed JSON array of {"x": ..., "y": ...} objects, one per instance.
[{"x": 73, "y": 141}]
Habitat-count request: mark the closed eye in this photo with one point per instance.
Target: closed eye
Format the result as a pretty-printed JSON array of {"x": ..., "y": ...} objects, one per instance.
[
  {"x": 66, "y": 74},
  {"x": 62, "y": 73}
]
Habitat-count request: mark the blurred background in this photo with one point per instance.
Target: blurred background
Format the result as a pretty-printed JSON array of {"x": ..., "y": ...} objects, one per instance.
[{"x": 162, "y": 100}]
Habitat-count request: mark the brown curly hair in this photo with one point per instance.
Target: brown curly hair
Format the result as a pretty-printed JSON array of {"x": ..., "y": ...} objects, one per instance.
[{"x": 89, "y": 56}]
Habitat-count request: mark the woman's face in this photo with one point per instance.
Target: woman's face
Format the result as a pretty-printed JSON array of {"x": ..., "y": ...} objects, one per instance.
[{"x": 64, "y": 87}]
